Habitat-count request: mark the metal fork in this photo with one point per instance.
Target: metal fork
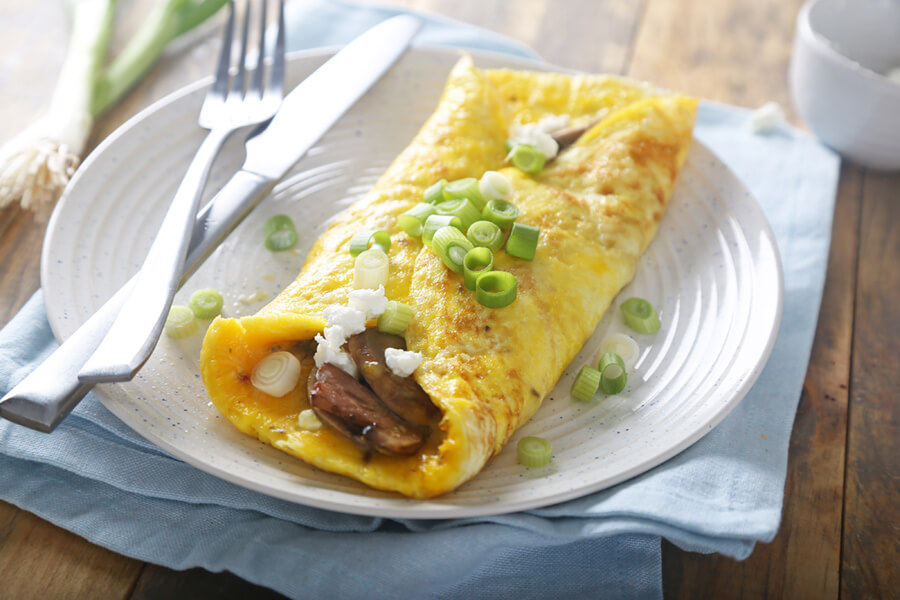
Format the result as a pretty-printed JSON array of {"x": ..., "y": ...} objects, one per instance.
[{"x": 226, "y": 108}]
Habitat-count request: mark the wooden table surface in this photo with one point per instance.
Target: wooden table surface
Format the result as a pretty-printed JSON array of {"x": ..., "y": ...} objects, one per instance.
[{"x": 840, "y": 532}]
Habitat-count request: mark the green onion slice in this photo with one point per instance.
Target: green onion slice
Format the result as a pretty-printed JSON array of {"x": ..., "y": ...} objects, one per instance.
[
  {"x": 612, "y": 373},
  {"x": 534, "y": 452},
  {"x": 206, "y": 303},
  {"x": 485, "y": 234},
  {"x": 435, "y": 222},
  {"x": 624, "y": 346},
  {"x": 371, "y": 269},
  {"x": 478, "y": 260},
  {"x": 413, "y": 220},
  {"x": 277, "y": 223},
  {"x": 463, "y": 208},
  {"x": 523, "y": 241},
  {"x": 435, "y": 192},
  {"x": 640, "y": 315},
  {"x": 283, "y": 239},
  {"x": 587, "y": 382},
  {"x": 495, "y": 289},
  {"x": 526, "y": 158},
  {"x": 180, "y": 323},
  {"x": 276, "y": 374},
  {"x": 500, "y": 212},
  {"x": 465, "y": 188},
  {"x": 364, "y": 240},
  {"x": 451, "y": 246},
  {"x": 395, "y": 318},
  {"x": 494, "y": 186}
]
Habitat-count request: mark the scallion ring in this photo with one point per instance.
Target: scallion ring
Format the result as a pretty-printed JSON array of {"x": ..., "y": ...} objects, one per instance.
[
  {"x": 500, "y": 212},
  {"x": 624, "y": 346},
  {"x": 494, "y": 185},
  {"x": 180, "y": 322},
  {"x": 276, "y": 374},
  {"x": 371, "y": 269},
  {"x": 463, "y": 208},
  {"x": 523, "y": 241},
  {"x": 586, "y": 384},
  {"x": 533, "y": 452},
  {"x": 612, "y": 373},
  {"x": 277, "y": 223},
  {"x": 366, "y": 239},
  {"x": 281, "y": 240},
  {"x": 467, "y": 187},
  {"x": 496, "y": 289},
  {"x": 485, "y": 234},
  {"x": 640, "y": 315},
  {"x": 413, "y": 221},
  {"x": 478, "y": 260},
  {"x": 435, "y": 192},
  {"x": 527, "y": 158},
  {"x": 395, "y": 318},
  {"x": 435, "y": 222},
  {"x": 206, "y": 303},
  {"x": 451, "y": 246}
]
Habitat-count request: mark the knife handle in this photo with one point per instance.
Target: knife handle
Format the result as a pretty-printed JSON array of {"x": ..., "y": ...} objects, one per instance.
[{"x": 52, "y": 390}]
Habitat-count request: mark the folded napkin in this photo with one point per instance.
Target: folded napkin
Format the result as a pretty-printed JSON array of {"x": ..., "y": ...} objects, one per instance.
[{"x": 97, "y": 478}]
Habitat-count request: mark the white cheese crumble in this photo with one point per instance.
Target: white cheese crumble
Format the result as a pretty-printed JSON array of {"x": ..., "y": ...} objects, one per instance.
[
  {"x": 538, "y": 134},
  {"x": 371, "y": 302},
  {"x": 349, "y": 319},
  {"x": 402, "y": 362},
  {"x": 308, "y": 420},
  {"x": 767, "y": 118}
]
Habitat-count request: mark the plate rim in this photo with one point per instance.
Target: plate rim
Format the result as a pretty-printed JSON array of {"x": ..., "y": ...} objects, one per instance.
[{"x": 404, "y": 508}]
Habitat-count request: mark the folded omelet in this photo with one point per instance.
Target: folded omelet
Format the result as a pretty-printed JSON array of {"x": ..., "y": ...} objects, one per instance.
[{"x": 598, "y": 205}]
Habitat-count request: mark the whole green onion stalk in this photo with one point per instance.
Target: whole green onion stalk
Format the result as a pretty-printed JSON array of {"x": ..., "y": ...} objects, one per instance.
[{"x": 36, "y": 165}]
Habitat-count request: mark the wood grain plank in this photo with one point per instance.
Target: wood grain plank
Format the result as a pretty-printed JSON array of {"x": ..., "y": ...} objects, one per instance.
[
  {"x": 160, "y": 583},
  {"x": 40, "y": 560},
  {"x": 871, "y": 550}
]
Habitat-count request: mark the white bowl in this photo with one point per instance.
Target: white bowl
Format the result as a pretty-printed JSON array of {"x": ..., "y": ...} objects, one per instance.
[{"x": 843, "y": 50}]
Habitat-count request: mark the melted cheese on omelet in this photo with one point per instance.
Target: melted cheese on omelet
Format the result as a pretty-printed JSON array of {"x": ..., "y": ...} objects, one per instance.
[{"x": 597, "y": 204}]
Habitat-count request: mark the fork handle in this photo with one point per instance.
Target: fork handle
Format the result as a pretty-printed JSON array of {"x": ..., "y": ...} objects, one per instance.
[
  {"x": 52, "y": 390},
  {"x": 134, "y": 333}
]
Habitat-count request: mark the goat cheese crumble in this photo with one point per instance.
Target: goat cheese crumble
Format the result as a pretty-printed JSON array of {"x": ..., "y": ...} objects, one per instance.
[
  {"x": 767, "y": 118},
  {"x": 341, "y": 322},
  {"x": 402, "y": 362},
  {"x": 539, "y": 134}
]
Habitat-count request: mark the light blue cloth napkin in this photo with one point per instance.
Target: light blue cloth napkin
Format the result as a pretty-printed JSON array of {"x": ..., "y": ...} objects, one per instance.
[{"x": 95, "y": 477}]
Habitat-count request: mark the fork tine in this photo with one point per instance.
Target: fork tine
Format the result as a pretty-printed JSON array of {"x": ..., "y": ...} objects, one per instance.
[
  {"x": 237, "y": 84},
  {"x": 276, "y": 76},
  {"x": 221, "y": 82},
  {"x": 257, "y": 81}
]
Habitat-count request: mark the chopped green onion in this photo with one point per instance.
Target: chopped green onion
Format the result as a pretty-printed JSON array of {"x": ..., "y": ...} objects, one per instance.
[
  {"x": 477, "y": 261},
  {"x": 494, "y": 186},
  {"x": 624, "y": 346},
  {"x": 463, "y": 208},
  {"x": 371, "y": 269},
  {"x": 395, "y": 318},
  {"x": 364, "y": 240},
  {"x": 413, "y": 220},
  {"x": 435, "y": 222},
  {"x": 496, "y": 289},
  {"x": 587, "y": 382},
  {"x": 500, "y": 212},
  {"x": 277, "y": 223},
  {"x": 465, "y": 188},
  {"x": 523, "y": 241},
  {"x": 180, "y": 323},
  {"x": 277, "y": 374},
  {"x": 534, "y": 452},
  {"x": 283, "y": 239},
  {"x": 485, "y": 234},
  {"x": 451, "y": 246},
  {"x": 206, "y": 304},
  {"x": 640, "y": 315},
  {"x": 612, "y": 373},
  {"x": 526, "y": 158},
  {"x": 434, "y": 193}
]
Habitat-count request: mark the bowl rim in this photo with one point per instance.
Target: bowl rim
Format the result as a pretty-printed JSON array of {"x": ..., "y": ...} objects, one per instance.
[{"x": 823, "y": 45}]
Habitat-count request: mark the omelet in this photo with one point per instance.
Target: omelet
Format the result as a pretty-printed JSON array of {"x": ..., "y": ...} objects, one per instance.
[{"x": 486, "y": 370}]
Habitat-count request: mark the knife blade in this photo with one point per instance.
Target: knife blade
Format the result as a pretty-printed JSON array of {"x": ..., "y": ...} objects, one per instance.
[{"x": 52, "y": 390}]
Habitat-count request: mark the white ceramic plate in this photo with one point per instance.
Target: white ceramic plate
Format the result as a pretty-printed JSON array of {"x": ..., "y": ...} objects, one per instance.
[{"x": 713, "y": 272}]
